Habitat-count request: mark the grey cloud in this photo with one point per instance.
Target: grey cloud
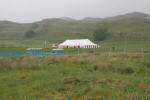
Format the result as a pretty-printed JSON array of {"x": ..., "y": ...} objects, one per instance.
[{"x": 33, "y": 10}]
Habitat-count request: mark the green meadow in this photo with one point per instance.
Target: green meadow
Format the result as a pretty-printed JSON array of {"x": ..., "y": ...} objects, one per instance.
[{"x": 116, "y": 71}]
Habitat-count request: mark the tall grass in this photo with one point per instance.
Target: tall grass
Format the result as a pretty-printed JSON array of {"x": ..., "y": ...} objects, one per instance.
[{"x": 88, "y": 76}]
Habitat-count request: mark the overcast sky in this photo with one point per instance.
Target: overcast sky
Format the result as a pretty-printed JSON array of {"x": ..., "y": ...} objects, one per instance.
[{"x": 35, "y": 10}]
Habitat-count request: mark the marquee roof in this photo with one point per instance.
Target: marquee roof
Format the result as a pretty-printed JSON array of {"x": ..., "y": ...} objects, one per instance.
[{"x": 77, "y": 42}]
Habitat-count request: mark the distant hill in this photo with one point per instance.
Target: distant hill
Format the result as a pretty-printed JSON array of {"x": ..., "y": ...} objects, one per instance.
[
  {"x": 132, "y": 25},
  {"x": 68, "y": 19},
  {"x": 129, "y": 15},
  {"x": 89, "y": 19}
]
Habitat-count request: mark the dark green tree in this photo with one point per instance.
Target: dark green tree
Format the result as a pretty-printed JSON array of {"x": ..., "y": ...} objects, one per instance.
[
  {"x": 100, "y": 34},
  {"x": 30, "y": 34},
  {"x": 34, "y": 26}
]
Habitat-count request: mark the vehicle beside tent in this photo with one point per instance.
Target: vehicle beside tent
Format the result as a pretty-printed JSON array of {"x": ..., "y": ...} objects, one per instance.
[{"x": 78, "y": 43}]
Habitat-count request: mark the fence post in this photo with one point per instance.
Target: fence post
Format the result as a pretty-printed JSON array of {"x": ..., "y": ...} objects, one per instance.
[{"x": 78, "y": 51}]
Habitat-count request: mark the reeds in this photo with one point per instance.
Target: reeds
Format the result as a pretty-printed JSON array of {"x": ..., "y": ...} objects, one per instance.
[{"x": 19, "y": 63}]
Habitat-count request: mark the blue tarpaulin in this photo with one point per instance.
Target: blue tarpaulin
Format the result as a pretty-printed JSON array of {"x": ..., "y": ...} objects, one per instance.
[{"x": 36, "y": 53}]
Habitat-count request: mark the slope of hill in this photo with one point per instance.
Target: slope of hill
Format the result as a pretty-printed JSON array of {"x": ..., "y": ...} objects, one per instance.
[
  {"x": 133, "y": 28},
  {"x": 68, "y": 19},
  {"x": 89, "y": 19},
  {"x": 128, "y": 15},
  {"x": 12, "y": 30},
  {"x": 58, "y": 29}
]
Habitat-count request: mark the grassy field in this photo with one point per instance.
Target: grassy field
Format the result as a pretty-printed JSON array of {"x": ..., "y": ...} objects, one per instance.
[
  {"x": 92, "y": 75},
  {"x": 119, "y": 70},
  {"x": 22, "y": 43},
  {"x": 118, "y": 44}
]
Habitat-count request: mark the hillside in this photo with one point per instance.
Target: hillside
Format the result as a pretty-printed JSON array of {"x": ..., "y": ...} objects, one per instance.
[{"x": 133, "y": 25}]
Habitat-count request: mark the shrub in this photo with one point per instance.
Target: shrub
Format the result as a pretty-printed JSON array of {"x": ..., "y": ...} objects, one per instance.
[
  {"x": 30, "y": 34},
  {"x": 100, "y": 34},
  {"x": 128, "y": 70}
]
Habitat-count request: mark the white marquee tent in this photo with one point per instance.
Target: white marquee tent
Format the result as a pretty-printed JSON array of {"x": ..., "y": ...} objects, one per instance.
[{"x": 78, "y": 43}]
